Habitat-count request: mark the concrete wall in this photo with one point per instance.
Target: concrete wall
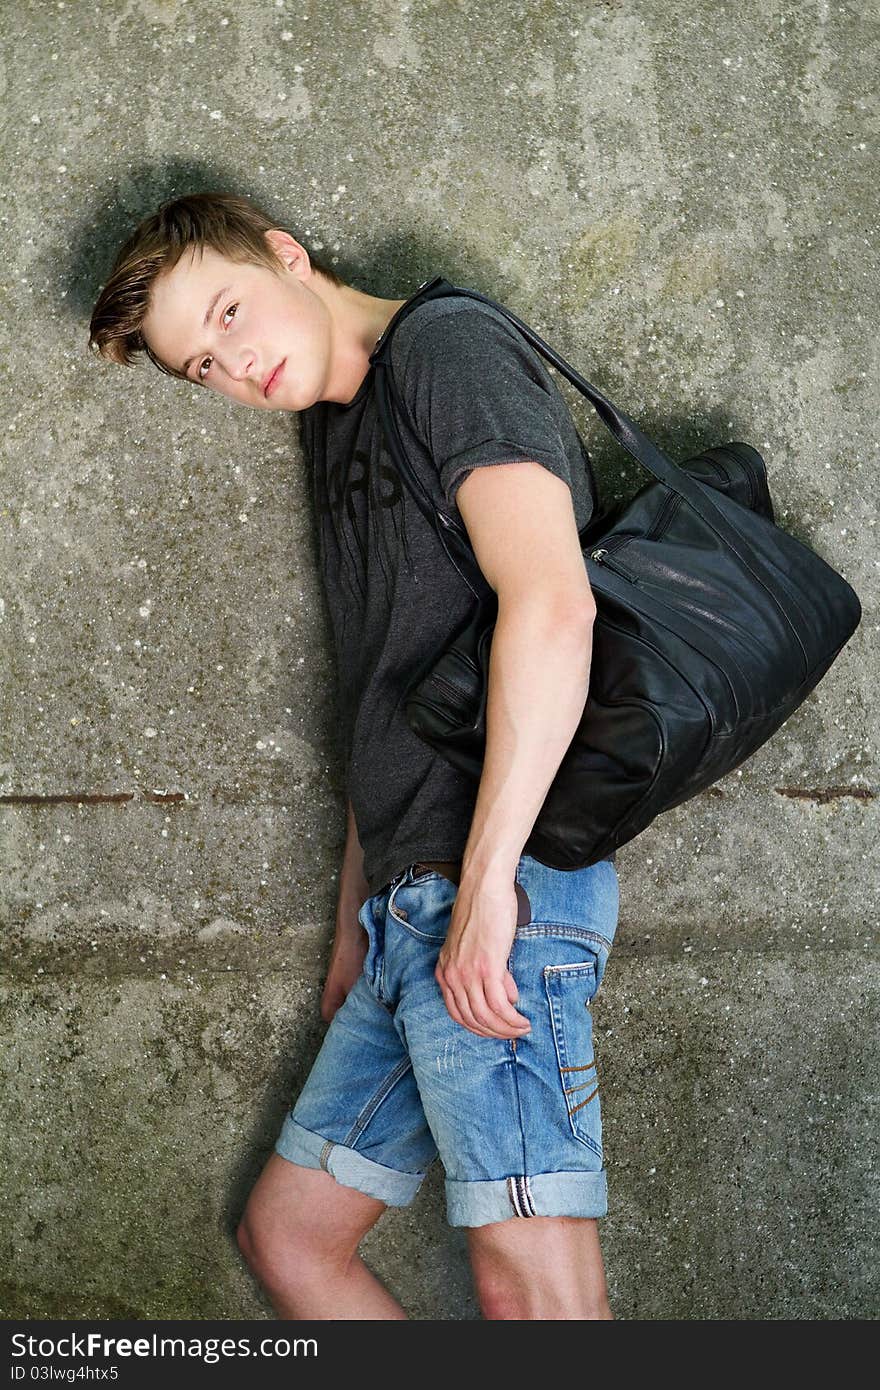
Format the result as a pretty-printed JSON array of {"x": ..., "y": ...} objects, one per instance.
[{"x": 682, "y": 198}]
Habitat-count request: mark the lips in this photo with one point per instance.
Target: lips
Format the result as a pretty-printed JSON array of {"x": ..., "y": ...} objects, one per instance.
[{"x": 272, "y": 380}]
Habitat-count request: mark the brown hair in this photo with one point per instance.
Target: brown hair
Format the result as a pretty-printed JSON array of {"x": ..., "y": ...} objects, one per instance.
[{"x": 233, "y": 226}]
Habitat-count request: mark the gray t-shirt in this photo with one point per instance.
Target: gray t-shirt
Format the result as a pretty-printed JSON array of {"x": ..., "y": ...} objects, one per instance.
[{"x": 478, "y": 395}]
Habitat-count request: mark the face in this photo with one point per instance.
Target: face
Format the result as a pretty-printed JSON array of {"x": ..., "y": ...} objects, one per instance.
[{"x": 259, "y": 320}]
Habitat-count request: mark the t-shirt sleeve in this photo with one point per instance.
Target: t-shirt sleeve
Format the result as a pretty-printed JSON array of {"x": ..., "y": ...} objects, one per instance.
[{"x": 479, "y": 396}]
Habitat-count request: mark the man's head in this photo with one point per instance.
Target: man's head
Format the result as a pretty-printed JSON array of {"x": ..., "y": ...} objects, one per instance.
[{"x": 213, "y": 292}]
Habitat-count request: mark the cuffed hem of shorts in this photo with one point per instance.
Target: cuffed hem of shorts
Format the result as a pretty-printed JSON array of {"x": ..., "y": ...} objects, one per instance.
[
  {"x": 347, "y": 1166},
  {"x": 540, "y": 1194}
]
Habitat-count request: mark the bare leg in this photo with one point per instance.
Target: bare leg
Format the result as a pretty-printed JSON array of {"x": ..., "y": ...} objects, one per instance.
[
  {"x": 539, "y": 1267},
  {"x": 299, "y": 1234}
]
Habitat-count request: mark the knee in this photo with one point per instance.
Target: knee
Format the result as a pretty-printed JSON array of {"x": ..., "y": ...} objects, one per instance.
[
  {"x": 288, "y": 1250},
  {"x": 272, "y": 1250},
  {"x": 300, "y": 1224},
  {"x": 249, "y": 1239},
  {"x": 245, "y": 1239}
]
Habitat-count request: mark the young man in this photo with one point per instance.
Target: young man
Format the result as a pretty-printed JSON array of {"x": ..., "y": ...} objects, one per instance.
[{"x": 462, "y": 969}]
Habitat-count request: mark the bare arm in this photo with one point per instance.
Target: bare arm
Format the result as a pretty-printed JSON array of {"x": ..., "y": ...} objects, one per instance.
[
  {"x": 539, "y": 673},
  {"x": 353, "y": 886},
  {"x": 539, "y": 668},
  {"x": 521, "y": 522},
  {"x": 350, "y": 940}
]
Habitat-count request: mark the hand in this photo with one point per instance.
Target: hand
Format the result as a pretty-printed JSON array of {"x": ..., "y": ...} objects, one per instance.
[
  {"x": 350, "y": 946},
  {"x": 472, "y": 972}
]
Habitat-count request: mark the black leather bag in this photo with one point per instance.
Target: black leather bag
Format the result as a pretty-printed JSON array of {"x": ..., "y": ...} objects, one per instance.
[{"x": 713, "y": 624}]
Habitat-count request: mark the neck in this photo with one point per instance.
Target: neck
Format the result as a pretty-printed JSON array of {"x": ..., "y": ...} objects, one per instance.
[{"x": 358, "y": 321}]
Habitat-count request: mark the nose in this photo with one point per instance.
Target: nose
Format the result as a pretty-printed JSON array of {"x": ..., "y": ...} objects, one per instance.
[
  {"x": 239, "y": 365},
  {"x": 244, "y": 366}
]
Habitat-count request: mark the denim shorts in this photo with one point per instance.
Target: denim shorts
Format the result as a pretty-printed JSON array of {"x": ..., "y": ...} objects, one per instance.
[{"x": 397, "y": 1081}]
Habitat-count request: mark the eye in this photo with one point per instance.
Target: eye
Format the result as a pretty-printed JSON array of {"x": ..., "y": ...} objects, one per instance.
[{"x": 230, "y": 310}]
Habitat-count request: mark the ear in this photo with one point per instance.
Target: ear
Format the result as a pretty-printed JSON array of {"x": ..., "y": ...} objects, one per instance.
[{"x": 294, "y": 257}]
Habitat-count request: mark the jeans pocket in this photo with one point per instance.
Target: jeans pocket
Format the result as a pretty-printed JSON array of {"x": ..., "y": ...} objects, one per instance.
[
  {"x": 570, "y": 990},
  {"x": 423, "y": 907}
]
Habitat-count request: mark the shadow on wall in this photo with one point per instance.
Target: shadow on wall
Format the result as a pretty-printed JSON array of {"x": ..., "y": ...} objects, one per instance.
[{"x": 392, "y": 268}]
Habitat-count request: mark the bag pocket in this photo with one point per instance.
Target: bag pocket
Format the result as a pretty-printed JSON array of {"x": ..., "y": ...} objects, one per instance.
[{"x": 570, "y": 990}]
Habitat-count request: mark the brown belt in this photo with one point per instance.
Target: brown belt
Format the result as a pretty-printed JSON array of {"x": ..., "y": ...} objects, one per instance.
[{"x": 449, "y": 868}]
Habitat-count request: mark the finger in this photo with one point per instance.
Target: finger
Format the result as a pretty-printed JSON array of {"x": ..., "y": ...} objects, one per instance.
[
  {"x": 464, "y": 1004},
  {"x": 502, "y": 1007},
  {"x": 487, "y": 1016},
  {"x": 453, "y": 1007},
  {"x": 469, "y": 1017}
]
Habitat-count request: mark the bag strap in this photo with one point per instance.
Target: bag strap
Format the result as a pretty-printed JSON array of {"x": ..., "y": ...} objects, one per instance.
[
  {"x": 625, "y": 430},
  {"x": 456, "y": 535}
]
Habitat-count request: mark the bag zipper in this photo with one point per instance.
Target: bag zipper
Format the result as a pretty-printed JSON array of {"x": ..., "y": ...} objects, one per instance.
[
  {"x": 600, "y": 557},
  {"x": 663, "y": 516},
  {"x": 719, "y": 468},
  {"x": 661, "y": 521},
  {"x": 745, "y": 463}
]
